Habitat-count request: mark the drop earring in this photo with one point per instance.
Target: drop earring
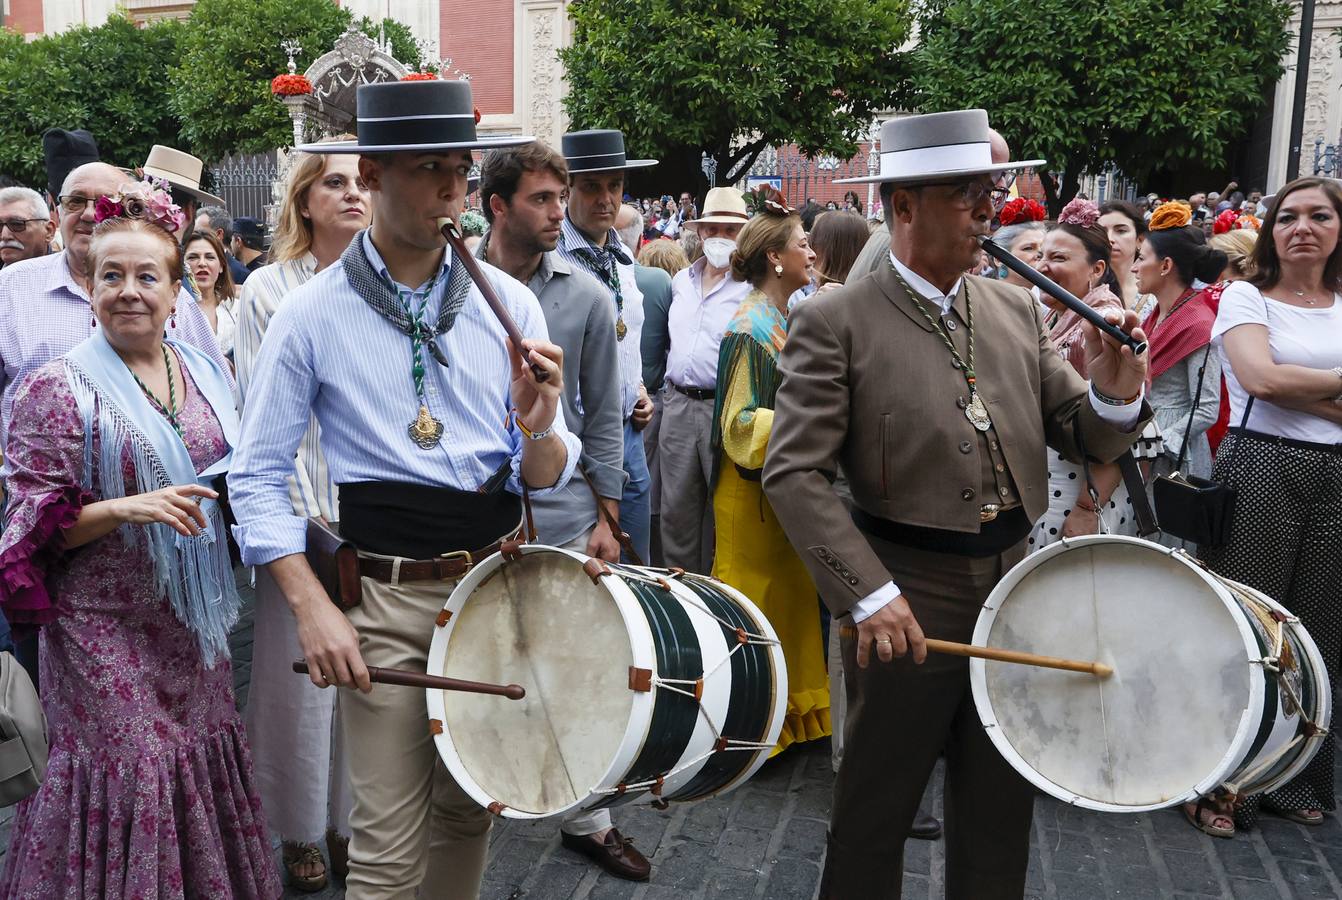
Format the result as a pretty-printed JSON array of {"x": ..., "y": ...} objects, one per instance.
[
  {"x": 778, "y": 270},
  {"x": 173, "y": 318},
  {"x": 93, "y": 322}
]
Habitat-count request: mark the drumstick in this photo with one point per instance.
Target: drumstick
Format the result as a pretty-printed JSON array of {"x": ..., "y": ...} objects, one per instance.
[
  {"x": 438, "y": 682},
  {"x": 1098, "y": 669},
  {"x": 453, "y": 235}
]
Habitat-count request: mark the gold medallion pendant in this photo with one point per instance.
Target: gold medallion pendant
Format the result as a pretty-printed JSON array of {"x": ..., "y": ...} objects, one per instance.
[
  {"x": 621, "y": 329},
  {"x": 977, "y": 413},
  {"x": 426, "y": 431}
]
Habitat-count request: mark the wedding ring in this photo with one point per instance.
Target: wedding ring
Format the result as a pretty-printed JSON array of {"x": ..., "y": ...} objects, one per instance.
[{"x": 882, "y": 640}]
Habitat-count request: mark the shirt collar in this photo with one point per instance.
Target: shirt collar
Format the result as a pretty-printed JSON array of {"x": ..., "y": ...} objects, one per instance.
[
  {"x": 572, "y": 238},
  {"x": 925, "y": 288},
  {"x": 58, "y": 276},
  {"x": 552, "y": 262},
  {"x": 375, "y": 260}
]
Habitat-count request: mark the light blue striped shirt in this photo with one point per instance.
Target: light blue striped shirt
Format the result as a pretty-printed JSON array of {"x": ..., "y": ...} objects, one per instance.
[
  {"x": 328, "y": 353},
  {"x": 631, "y": 359}
]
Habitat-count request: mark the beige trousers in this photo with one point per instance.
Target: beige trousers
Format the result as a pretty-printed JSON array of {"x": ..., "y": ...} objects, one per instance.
[{"x": 413, "y": 827}]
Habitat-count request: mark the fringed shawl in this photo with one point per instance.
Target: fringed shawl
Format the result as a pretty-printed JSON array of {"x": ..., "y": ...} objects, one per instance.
[
  {"x": 754, "y": 338},
  {"x": 193, "y": 573}
]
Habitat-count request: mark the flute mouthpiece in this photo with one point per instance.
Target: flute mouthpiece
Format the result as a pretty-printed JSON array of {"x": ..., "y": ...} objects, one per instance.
[{"x": 446, "y": 224}]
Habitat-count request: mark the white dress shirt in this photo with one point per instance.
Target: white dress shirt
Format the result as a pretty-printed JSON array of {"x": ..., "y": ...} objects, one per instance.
[
  {"x": 697, "y": 322},
  {"x": 1122, "y": 417}
]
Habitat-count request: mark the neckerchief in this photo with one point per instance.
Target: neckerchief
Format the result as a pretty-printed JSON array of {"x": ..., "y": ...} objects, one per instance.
[
  {"x": 386, "y": 300},
  {"x": 604, "y": 262}
]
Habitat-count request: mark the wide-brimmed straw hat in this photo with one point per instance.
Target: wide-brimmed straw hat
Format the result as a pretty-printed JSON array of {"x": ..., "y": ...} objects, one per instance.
[
  {"x": 937, "y": 146},
  {"x": 724, "y": 205},
  {"x": 415, "y": 116},
  {"x": 181, "y": 170},
  {"x": 598, "y": 150}
]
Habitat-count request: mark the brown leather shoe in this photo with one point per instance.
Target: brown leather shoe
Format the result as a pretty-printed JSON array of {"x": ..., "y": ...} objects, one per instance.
[
  {"x": 615, "y": 854},
  {"x": 925, "y": 827}
]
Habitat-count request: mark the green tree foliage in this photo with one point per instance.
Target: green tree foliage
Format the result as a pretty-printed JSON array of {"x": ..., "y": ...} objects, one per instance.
[
  {"x": 113, "y": 80},
  {"x": 231, "y": 51},
  {"x": 731, "y": 77},
  {"x": 1142, "y": 84}
]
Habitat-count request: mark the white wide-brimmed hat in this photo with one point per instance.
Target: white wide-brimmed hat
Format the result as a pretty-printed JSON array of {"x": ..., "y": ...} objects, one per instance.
[
  {"x": 724, "y": 205},
  {"x": 181, "y": 170},
  {"x": 936, "y": 146}
]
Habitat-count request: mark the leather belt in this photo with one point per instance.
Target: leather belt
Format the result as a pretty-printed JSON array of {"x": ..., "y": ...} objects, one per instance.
[
  {"x": 440, "y": 568},
  {"x": 695, "y": 393}
]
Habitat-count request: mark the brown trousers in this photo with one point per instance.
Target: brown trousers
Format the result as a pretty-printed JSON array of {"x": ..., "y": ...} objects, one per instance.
[{"x": 901, "y": 716}]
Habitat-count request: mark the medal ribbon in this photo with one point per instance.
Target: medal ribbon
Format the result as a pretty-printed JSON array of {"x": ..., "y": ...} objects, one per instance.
[
  {"x": 602, "y": 263},
  {"x": 966, "y": 370},
  {"x": 419, "y": 332}
]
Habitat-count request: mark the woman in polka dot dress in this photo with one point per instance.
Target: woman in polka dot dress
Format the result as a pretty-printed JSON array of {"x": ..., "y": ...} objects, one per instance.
[
  {"x": 1076, "y": 256},
  {"x": 1280, "y": 339}
]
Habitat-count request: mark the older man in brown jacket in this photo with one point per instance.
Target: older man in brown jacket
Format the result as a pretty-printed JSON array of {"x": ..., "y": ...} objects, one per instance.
[{"x": 937, "y": 393}]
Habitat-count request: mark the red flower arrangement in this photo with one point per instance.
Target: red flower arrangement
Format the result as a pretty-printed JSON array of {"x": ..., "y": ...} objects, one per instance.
[
  {"x": 290, "y": 85},
  {"x": 420, "y": 76},
  {"x": 1018, "y": 210}
]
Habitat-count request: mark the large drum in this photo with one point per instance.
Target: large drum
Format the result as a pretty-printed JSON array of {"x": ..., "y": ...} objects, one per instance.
[
  {"x": 1214, "y": 684},
  {"x": 642, "y": 684}
]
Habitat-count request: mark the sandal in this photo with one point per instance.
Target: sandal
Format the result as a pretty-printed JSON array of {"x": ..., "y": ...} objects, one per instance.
[
  {"x": 337, "y": 849},
  {"x": 1193, "y": 813},
  {"x": 298, "y": 857},
  {"x": 1309, "y": 817}
]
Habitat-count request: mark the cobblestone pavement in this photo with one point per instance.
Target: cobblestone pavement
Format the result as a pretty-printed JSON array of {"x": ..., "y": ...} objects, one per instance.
[{"x": 766, "y": 840}]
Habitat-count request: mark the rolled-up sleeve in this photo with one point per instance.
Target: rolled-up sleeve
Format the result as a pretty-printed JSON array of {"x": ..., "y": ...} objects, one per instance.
[{"x": 279, "y": 403}]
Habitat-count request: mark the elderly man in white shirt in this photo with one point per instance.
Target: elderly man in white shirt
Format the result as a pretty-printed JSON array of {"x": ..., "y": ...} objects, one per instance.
[{"x": 704, "y": 298}]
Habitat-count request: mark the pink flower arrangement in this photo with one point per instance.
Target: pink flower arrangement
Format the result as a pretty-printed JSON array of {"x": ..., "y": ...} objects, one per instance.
[
  {"x": 1081, "y": 213},
  {"x": 150, "y": 200}
]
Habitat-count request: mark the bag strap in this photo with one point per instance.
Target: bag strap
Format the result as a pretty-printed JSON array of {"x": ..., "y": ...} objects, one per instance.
[
  {"x": 625, "y": 541},
  {"x": 1197, "y": 397}
]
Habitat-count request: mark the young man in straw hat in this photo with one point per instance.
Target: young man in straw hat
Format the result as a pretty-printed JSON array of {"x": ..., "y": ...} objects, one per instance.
[
  {"x": 704, "y": 298},
  {"x": 431, "y": 424},
  {"x": 928, "y": 386}
]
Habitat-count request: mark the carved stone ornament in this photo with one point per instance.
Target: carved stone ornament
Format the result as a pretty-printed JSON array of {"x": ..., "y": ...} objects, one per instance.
[{"x": 355, "y": 59}]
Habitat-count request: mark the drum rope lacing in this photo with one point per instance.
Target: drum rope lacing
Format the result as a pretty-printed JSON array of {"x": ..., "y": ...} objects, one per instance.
[
  {"x": 1309, "y": 730},
  {"x": 720, "y": 743}
]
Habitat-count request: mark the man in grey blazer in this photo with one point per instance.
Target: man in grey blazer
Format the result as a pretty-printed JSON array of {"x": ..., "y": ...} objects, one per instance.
[{"x": 937, "y": 393}]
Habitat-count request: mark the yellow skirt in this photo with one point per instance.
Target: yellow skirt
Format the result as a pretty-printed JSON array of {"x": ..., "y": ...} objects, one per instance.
[{"x": 754, "y": 556}]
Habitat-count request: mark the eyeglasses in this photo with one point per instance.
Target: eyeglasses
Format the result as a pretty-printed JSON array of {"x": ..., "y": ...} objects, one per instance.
[
  {"x": 970, "y": 194},
  {"x": 75, "y": 203},
  {"x": 18, "y": 226}
]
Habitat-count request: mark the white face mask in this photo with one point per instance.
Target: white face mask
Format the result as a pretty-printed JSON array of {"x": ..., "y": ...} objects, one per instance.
[{"x": 718, "y": 251}]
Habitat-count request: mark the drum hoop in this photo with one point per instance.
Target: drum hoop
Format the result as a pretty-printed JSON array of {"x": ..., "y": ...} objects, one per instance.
[
  {"x": 979, "y": 682},
  {"x": 640, "y": 717}
]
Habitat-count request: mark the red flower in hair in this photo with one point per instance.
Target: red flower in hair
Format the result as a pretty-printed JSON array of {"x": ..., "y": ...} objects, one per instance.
[
  {"x": 1019, "y": 209},
  {"x": 1225, "y": 222}
]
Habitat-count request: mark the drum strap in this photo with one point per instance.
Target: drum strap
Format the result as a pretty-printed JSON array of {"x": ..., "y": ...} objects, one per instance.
[
  {"x": 626, "y": 542},
  {"x": 1132, "y": 480}
]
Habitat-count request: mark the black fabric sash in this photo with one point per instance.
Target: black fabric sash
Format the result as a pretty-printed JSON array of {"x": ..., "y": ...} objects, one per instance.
[
  {"x": 420, "y": 521},
  {"x": 995, "y": 537}
]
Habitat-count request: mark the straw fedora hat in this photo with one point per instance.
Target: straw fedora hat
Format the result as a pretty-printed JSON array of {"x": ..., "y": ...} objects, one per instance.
[
  {"x": 415, "y": 116},
  {"x": 725, "y": 205},
  {"x": 937, "y": 146},
  {"x": 181, "y": 170}
]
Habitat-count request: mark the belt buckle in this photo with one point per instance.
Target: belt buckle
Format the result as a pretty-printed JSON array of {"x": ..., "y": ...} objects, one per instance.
[
  {"x": 988, "y": 512},
  {"x": 464, "y": 555}
]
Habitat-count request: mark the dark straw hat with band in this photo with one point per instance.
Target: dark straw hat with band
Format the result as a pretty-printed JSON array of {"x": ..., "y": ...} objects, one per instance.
[
  {"x": 599, "y": 150},
  {"x": 415, "y": 116}
]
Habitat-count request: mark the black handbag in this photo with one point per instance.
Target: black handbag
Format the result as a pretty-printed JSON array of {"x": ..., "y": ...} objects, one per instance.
[{"x": 1196, "y": 509}]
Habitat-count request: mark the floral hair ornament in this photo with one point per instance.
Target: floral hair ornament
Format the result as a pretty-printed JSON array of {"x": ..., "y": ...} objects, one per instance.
[
  {"x": 767, "y": 199},
  {"x": 1081, "y": 213},
  {"x": 1230, "y": 220},
  {"x": 1172, "y": 214},
  {"x": 1018, "y": 210},
  {"x": 149, "y": 199}
]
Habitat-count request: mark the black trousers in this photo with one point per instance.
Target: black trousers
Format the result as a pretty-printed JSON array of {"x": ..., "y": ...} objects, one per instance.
[{"x": 901, "y": 716}]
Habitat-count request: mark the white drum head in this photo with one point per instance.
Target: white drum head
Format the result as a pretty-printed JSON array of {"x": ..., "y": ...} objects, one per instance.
[
  {"x": 542, "y": 623},
  {"x": 1171, "y": 721}
]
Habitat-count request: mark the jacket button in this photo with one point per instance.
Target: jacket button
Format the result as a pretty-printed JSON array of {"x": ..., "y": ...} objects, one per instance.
[
  {"x": 967, "y": 494},
  {"x": 965, "y": 446},
  {"x": 961, "y": 402},
  {"x": 999, "y": 467},
  {"x": 852, "y": 581},
  {"x": 950, "y": 323},
  {"x": 1002, "y": 491},
  {"x": 992, "y": 444}
]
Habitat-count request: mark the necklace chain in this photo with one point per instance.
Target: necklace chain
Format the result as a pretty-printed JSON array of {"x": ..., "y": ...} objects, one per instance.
[
  {"x": 967, "y": 369},
  {"x": 169, "y": 411}
]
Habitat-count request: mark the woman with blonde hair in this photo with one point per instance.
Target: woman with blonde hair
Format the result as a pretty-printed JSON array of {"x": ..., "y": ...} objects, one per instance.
[
  {"x": 668, "y": 256},
  {"x": 1237, "y": 245},
  {"x": 752, "y": 552},
  {"x": 288, "y": 719}
]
